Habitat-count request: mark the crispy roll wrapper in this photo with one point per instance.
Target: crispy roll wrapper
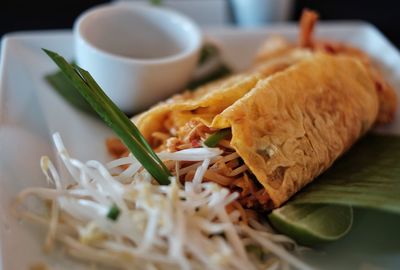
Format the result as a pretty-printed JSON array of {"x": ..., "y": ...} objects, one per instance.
[
  {"x": 292, "y": 126},
  {"x": 290, "y": 119}
]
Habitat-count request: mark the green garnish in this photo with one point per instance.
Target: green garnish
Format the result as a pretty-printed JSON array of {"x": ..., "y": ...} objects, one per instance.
[
  {"x": 113, "y": 213},
  {"x": 312, "y": 224},
  {"x": 210, "y": 51},
  {"x": 114, "y": 117},
  {"x": 67, "y": 90},
  {"x": 207, "y": 52},
  {"x": 215, "y": 138},
  {"x": 367, "y": 176}
]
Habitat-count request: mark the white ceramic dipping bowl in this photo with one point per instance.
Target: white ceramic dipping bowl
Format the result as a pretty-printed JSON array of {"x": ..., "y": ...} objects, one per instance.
[{"x": 138, "y": 54}]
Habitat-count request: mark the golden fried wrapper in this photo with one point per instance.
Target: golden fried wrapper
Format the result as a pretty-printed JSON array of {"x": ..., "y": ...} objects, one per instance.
[
  {"x": 293, "y": 125},
  {"x": 291, "y": 116},
  {"x": 206, "y": 102}
]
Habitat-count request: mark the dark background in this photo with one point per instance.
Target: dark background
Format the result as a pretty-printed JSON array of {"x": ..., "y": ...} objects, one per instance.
[{"x": 36, "y": 15}]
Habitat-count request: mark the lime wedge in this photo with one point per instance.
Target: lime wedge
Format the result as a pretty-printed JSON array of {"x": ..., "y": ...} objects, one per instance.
[{"x": 312, "y": 224}]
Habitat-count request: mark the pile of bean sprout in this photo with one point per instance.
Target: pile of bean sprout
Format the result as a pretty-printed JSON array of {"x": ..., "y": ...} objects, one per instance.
[{"x": 125, "y": 220}]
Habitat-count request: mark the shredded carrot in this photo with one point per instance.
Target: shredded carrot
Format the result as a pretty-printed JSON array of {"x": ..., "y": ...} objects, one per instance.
[
  {"x": 242, "y": 212},
  {"x": 211, "y": 175},
  {"x": 115, "y": 147},
  {"x": 239, "y": 170},
  {"x": 189, "y": 176}
]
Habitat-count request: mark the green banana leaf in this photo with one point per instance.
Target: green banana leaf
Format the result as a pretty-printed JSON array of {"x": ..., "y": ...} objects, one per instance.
[{"x": 367, "y": 176}]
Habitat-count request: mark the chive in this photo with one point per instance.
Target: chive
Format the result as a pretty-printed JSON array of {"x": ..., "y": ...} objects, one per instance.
[
  {"x": 114, "y": 117},
  {"x": 214, "y": 138},
  {"x": 113, "y": 213},
  {"x": 61, "y": 84}
]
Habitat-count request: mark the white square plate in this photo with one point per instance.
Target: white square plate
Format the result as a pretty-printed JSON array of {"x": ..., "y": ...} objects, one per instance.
[{"x": 30, "y": 111}]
